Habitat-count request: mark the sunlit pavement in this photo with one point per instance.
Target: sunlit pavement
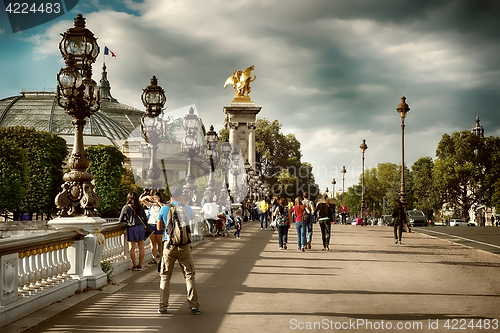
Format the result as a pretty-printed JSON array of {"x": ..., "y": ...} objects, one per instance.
[{"x": 366, "y": 283}]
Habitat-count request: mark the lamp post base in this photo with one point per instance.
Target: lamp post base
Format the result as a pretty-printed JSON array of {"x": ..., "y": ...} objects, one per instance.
[{"x": 78, "y": 198}]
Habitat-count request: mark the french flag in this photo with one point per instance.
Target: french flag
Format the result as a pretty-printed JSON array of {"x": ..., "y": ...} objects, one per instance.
[{"x": 108, "y": 51}]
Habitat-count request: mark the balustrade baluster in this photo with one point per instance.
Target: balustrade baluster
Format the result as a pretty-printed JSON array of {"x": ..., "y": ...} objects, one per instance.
[
  {"x": 66, "y": 263},
  {"x": 38, "y": 268},
  {"x": 57, "y": 264},
  {"x": 21, "y": 273},
  {"x": 106, "y": 253},
  {"x": 27, "y": 273},
  {"x": 116, "y": 245},
  {"x": 50, "y": 265},
  {"x": 32, "y": 271}
]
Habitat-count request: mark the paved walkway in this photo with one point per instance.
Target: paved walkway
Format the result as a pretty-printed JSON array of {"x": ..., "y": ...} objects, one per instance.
[{"x": 248, "y": 285}]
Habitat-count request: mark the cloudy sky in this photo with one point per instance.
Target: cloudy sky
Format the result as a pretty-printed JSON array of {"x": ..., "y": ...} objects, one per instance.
[{"x": 332, "y": 72}]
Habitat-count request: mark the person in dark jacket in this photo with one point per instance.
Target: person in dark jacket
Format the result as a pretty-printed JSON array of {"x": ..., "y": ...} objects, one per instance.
[
  {"x": 399, "y": 216},
  {"x": 324, "y": 215}
]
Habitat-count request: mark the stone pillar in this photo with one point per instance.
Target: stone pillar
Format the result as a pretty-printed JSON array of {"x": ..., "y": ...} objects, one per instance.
[
  {"x": 233, "y": 134},
  {"x": 94, "y": 244},
  {"x": 251, "y": 144}
]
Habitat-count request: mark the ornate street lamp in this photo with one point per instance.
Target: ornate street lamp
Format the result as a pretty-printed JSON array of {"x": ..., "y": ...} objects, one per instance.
[
  {"x": 343, "y": 171},
  {"x": 191, "y": 148},
  {"x": 225, "y": 148},
  {"x": 211, "y": 138},
  {"x": 153, "y": 131},
  {"x": 403, "y": 109},
  {"x": 363, "y": 148},
  {"x": 78, "y": 95},
  {"x": 333, "y": 187},
  {"x": 235, "y": 170}
]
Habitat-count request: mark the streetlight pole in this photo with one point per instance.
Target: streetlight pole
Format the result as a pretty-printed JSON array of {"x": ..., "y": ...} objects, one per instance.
[
  {"x": 191, "y": 148},
  {"x": 333, "y": 188},
  {"x": 363, "y": 148},
  {"x": 343, "y": 171},
  {"x": 235, "y": 171},
  {"x": 403, "y": 109},
  {"x": 225, "y": 161},
  {"x": 211, "y": 138},
  {"x": 153, "y": 131},
  {"x": 79, "y": 96}
]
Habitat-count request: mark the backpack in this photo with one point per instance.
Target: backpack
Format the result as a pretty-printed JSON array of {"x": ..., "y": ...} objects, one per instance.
[
  {"x": 305, "y": 216},
  {"x": 282, "y": 219},
  {"x": 179, "y": 232}
]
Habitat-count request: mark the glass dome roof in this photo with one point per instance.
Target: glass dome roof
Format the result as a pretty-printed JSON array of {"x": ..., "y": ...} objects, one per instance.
[{"x": 39, "y": 110}]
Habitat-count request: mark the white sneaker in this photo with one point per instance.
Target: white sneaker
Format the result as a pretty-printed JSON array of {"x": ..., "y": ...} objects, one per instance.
[
  {"x": 261, "y": 229},
  {"x": 281, "y": 248}
]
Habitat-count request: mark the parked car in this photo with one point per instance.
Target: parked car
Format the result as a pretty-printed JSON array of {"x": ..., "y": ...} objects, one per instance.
[
  {"x": 460, "y": 223},
  {"x": 417, "y": 218}
]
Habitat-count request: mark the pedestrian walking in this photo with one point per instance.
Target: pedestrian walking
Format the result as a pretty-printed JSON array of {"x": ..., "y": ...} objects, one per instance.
[
  {"x": 154, "y": 203},
  {"x": 173, "y": 253},
  {"x": 309, "y": 224},
  {"x": 282, "y": 216},
  {"x": 324, "y": 213},
  {"x": 399, "y": 216},
  {"x": 298, "y": 210},
  {"x": 263, "y": 207},
  {"x": 272, "y": 210},
  {"x": 237, "y": 223},
  {"x": 135, "y": 217}
]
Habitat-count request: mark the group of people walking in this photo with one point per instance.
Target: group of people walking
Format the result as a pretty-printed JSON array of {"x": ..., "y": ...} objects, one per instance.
[{"x": 302, "y": 213}]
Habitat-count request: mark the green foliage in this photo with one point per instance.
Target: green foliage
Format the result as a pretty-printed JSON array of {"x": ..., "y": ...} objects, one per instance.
[
  {"x": 276, "y": 152},
  {"x": 106, "y": 164},
  {"x": 13, "y": 175},
  {"x": 278, "y": 157},
  {"x": 459, "y": 166},
  {"x": 382, "y": 182},
  {"x": 127, "y": 185},
  {"x": 45, "y": 152},
  {"x": 107, "y": 268},
  {"x": 424, "y": 190}
]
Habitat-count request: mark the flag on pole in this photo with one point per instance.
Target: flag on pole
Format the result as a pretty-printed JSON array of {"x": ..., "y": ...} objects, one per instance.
[{"x": 108, "y": 51}]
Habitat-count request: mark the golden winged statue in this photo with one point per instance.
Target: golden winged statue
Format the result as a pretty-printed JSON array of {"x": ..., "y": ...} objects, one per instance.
[{"x": 241, "y": 82}]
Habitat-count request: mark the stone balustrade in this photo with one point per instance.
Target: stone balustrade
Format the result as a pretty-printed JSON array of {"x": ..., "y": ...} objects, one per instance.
[{"x": 41, "y": 268}]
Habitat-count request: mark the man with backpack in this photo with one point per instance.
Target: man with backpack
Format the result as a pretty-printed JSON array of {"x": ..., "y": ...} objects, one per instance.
[{"x": 175, "y": 218}]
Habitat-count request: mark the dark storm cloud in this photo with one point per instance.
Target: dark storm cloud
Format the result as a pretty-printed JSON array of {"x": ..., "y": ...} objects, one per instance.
[{"x": 332, "y": 72}]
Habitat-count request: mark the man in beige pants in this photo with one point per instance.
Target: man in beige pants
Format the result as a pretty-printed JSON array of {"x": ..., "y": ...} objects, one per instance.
[{"x": 172, "y": 253}]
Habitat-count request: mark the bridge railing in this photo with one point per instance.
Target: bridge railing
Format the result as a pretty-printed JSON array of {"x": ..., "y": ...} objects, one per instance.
[{"x": 41, "y": 268}]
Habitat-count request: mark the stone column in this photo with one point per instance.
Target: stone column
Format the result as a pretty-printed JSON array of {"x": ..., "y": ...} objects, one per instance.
[
  {"x": 251, "y": 144},
  {"x": 233, "y": 134}
]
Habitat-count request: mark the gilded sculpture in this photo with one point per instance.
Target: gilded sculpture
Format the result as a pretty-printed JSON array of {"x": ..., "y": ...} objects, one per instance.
[{"x": 241, "y": 83}]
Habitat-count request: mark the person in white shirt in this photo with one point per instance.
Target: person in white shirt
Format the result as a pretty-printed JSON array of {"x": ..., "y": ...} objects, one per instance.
[{"x": 210, "y": 211}]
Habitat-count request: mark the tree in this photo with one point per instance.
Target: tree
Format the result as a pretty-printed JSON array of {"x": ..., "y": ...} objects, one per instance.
[
  {"x": 424, "y": 191},
  {"x": 352, "y": 199},
  {"x": 383, "y": 183},
  {"x": 46, "y": 153},
  {"x": 106, "y": 164},
  {"x": 276, "y": 152},
  {"x": 13, "y": 175},
  {"x": 127, "y": 185},
  {"x": 460, "y": 169}
]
